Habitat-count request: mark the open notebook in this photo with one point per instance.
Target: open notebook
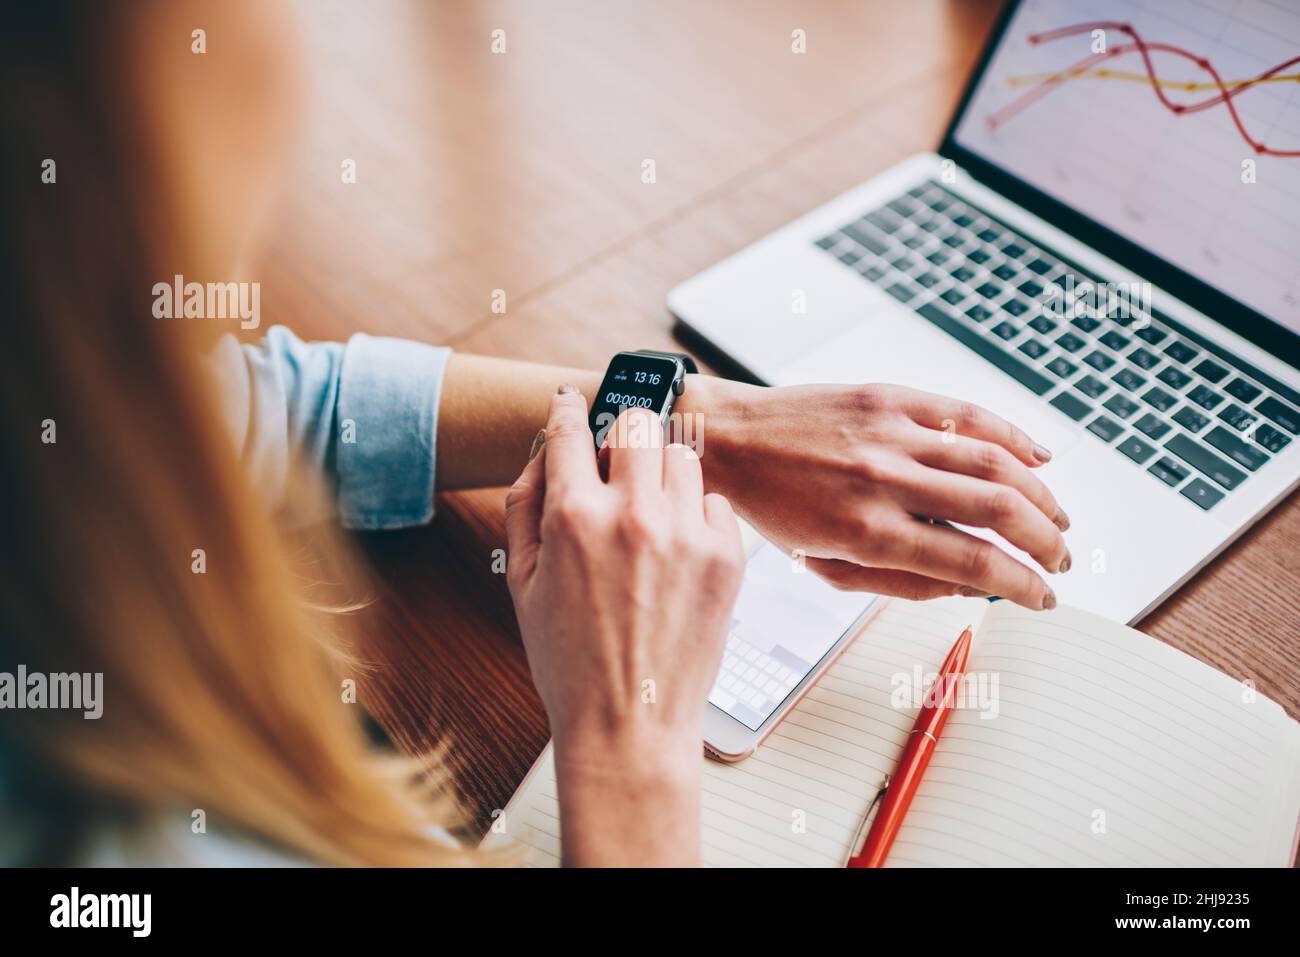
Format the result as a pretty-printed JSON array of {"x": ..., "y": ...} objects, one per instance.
[{"x": 1101, "y": 747}]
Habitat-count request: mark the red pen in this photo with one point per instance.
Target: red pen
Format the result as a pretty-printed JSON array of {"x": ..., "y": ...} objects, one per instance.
[{"x": 902, "y": 784}]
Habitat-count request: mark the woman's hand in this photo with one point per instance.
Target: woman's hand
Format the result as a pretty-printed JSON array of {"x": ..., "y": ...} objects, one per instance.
[
  {"x": 623, "y": 592},
  {"x": 851, "y": 475}
]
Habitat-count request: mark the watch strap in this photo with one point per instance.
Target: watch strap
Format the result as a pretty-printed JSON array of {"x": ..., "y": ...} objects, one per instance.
[{"x": 687, "y": 361}]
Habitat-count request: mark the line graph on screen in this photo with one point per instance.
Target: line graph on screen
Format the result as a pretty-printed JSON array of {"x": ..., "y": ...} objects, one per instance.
[{"x": 1224, "y": 92}]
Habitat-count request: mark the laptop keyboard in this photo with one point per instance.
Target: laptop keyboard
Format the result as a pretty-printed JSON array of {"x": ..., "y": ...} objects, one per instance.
[{"x": 1195, "y": 419}]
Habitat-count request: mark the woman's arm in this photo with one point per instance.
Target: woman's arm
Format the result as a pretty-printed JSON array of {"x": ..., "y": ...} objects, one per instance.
[
  {"x": 841, "y": 473},
  {"x": 623, "y": 589}
]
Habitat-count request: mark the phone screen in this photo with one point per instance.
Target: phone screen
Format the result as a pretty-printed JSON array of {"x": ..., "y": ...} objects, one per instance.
[{"x": 786, "y": 620}]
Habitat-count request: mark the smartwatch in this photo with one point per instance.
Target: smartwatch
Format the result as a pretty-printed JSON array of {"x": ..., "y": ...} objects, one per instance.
[{"x": 643, "y": 379}]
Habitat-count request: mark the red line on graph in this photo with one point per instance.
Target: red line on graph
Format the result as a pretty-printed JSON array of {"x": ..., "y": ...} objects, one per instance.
[{"x": 1224, "y": 96}]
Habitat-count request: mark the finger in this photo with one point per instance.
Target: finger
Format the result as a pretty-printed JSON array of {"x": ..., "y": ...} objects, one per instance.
[
  {"x": 973, "y": 421},
  {"x": 953, "y": 555},
  {"x": 524, "y": 513},
  {"x": 848, "y": 576},
  {"x": 993, "y": 463},
  {"x": 636, "y": 459},
  {"x": 719, "y": 517},
  {"x": 570, "y": 450},
  {"x": 683, "y": 478},
  {"x": 931, "y": 493}
]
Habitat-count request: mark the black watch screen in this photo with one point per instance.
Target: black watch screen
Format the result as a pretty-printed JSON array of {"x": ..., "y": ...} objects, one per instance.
[{"x": 633, "y": 380}]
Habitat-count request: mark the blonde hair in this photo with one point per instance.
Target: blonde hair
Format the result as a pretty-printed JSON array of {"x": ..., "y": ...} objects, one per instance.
[{"x": 222, "y": 689}]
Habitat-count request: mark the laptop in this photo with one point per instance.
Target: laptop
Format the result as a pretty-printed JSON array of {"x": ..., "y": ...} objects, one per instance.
[{"x": 1103, "y": 250}]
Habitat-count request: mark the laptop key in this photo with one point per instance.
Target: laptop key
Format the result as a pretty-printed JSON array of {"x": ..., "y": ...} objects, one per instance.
[
  {"x": 1239, "y": 388},
  {"x": 1205, "y": 461},
  {"x": 1202, "y": 493},
  {"x": 1006, "y": 331},
  {"x": 1104, "y": 428},
  {"x": 1151, "y": 334},
  {"x": 928, "y": 279},
  {"x": 952, "y": 296},
  {"x": 1121, "y": 405},
  {"x": 872, "y": 271},
  {"x": 1015, "y": 306},
  {"x": 1136, "y": 449},
  {"x": 1281, "y": 413},
  {"x": 1029, "y": 377},
  {"x": 979, "y": 255},
  {"x": 1031, "y": 288},
  {"x": 1129, "y": 379},
  {"x": 900, "y": 292},
  {"x": 1113, "y": 340},
  {"x": 963, "y": 274},
  {"x": 1099, "y": 360},
  {"x": 1033, "y": 348},
  {"x": 979, "y": 313},
  {"x": 1006, "y": 272},
  {"x": 1062, "y": 367},
  {"x": 826, "y": 242},
  {"x": 938, "y": 257},
  {"x": 1151, "y": 426},
  {"x": 1086, "y": 323},
  {"x": 1143, "y": 359},
  {"x": 1205, "y": 397},
  {"x": 1181, "y": 352},
  {"x": 1071, "y": 405},
  {"x": 1040, "y": 266},
  {"x": 1158, "y": 399},
  {"x": 1237, "y": 417},
  {"x": 1042, "y": 324},
  {"x": 1271, "y": 438},
  {"x": 1070, "y": 342},
  {"x": 1092, "y": 388},
  {"x": 1243, "y": 453},
  {"x": 989, "y": 290},
  {"x": 867, "y": 238},
  {"x": 849, "y": 257},
  {"x": 1190, "y": 419},
  {"x": 989, "y": 234},
  {"x": 1211, "y": 370},
  {"x": 1173, "y": 377},
  {"x": 1169, "y": 471}
]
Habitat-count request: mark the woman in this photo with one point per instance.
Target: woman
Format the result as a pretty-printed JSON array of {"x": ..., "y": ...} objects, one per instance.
[{"x": 162, "y": 520}]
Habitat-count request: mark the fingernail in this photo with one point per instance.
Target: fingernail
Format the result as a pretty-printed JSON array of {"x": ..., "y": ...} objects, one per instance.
[
  {"x": 1066, "y": 562},
  {"x": 1062, "y": 520},
  {"x": 538, "y": 442},
  {"x": 1042, "y": 454},
  {"x": 1049, "y": 600},
  {"x": 967, "y": 592},
  {"x": 566, "y": 389}
]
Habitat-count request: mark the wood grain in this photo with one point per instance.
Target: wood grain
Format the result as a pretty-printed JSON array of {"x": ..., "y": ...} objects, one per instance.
[{"x": 522, "y": 172}]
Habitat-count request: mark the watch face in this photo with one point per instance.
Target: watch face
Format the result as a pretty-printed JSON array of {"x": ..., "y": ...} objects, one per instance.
[{"x": 633, "y": 381}]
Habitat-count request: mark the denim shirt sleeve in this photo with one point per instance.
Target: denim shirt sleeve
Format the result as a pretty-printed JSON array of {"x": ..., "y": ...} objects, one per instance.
[{"x": 364, "y": 412}]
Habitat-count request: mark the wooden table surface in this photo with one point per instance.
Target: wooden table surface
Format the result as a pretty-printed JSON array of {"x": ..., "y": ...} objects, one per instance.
[{"x": 521, "y": 172}]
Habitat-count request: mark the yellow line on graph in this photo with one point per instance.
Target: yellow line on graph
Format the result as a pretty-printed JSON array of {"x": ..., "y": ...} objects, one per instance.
[{"x": 1031, "y": 79}]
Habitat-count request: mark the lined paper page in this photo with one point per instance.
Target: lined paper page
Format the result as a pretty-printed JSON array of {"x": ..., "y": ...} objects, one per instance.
[
  {"x": 798, "y": 800},
  {"x": 1108, "y": 748}
]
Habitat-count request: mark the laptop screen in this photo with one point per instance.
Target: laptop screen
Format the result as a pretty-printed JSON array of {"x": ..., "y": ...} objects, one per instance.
[{"x": 1174, "y": 124}]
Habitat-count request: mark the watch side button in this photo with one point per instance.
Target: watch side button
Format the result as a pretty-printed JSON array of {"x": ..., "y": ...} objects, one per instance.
[{"x": 679, "y": 386}]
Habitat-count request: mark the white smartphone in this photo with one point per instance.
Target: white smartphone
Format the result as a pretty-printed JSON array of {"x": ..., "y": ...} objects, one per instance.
[{"x": 787, "y": 628}]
